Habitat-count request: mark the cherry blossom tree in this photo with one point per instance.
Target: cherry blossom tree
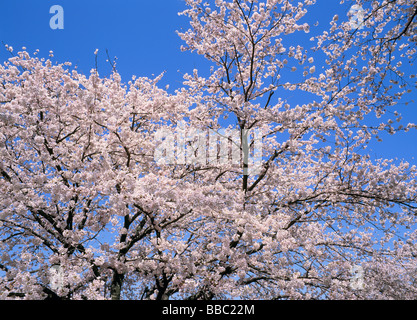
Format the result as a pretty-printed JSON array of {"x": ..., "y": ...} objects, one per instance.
[
  {"x": 82, "y": 192},
  {"x": 76, "y": 152},
  {"x": 321, "y": 204},
  {"x": 377, "y": 54}
]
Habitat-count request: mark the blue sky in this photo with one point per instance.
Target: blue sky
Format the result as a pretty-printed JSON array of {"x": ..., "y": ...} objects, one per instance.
[{"x": 141, "y": 34}]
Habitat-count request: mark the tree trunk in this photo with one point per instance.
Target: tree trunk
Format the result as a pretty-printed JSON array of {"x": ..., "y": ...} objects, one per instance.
[
  {"x": 245, "y": 156},
  {"x": 116, "y": 285}
]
